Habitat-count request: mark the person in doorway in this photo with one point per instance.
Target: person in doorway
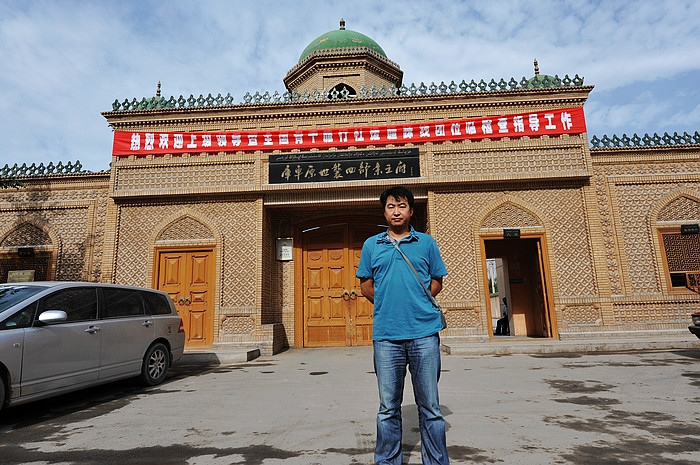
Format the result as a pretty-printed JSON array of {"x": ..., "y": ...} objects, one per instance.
[
  {"x": 405, "y": 329},
  {"x": 502, "y": 326}
]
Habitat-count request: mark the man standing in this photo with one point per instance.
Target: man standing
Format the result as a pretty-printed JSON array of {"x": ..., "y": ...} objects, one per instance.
[{"x": 405, "y": 328}]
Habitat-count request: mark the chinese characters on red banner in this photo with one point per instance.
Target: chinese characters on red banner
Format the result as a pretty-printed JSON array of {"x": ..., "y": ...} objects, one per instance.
[{"x": 550, "y": 122}]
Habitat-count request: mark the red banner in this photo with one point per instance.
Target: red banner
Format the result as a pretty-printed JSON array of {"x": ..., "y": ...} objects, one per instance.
[{"x": 549, "y": 122}]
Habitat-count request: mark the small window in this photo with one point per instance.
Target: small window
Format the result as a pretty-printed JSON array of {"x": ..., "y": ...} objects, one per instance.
[
  {"x": 121, "y": 303},
  {"x": 682, "y": 258},
  {"x": 341, "y": 91},
  {"x": 79, "y": 303},
  {"x": 156, "y": 304}
]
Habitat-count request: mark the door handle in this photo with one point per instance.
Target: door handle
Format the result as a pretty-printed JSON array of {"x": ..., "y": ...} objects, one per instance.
[
  {"x": 147, "y": 323},
  {"x": 187, "y": 301},
  {"x": 181, "y": 301},
  {"x": 353, "y": 294},
  {"x": 346, "y": 295},
  {"x": 92, "y": 329}
]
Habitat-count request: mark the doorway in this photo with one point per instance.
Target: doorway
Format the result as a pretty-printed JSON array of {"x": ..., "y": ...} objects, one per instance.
[
  {"x": 526, "y": 286},
  {"x": 187, "y": 277},
  {"x": 335, "y": 313}
]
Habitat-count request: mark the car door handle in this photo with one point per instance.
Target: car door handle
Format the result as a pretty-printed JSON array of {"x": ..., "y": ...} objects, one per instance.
[
  {"x": 148, "y": 323},
  {"x": 92, "y": 329}
]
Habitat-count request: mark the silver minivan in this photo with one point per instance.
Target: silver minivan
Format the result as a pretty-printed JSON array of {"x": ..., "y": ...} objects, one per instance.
[{"x": 57, "y": 337}]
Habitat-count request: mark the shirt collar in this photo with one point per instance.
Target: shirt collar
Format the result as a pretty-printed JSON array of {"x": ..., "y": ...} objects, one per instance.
[{"x": 384, "y": 237}]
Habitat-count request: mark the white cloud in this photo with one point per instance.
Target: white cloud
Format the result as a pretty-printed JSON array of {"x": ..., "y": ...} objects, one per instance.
[{"x": 65, "y": 62}]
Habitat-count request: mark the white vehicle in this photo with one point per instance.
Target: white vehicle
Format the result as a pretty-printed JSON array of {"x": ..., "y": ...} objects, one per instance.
[{"x": 57, "y": 337}]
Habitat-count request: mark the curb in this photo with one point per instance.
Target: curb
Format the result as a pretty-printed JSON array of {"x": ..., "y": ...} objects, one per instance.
[
  {"x": 552, "y": 347},
  {"x": 220, "y": 357},
  {"x": 502, "y": 347}
]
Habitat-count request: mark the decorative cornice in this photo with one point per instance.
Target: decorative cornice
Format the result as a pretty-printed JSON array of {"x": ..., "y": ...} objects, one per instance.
[
  {"x": 324, "y": 95},
  {"x": 180, "y": 119},
  {"x": 666, "y": 140},
  {"x": 33, "y": 170}
]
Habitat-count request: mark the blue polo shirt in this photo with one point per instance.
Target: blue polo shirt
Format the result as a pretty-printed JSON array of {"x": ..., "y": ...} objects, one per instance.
[{"x": 402, "y": 310}]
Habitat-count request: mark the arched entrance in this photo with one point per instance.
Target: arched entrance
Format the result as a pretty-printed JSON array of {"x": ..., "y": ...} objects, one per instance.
[
  {"x": 333, "y": 310},
  {"x": 527, "y": 285},
  {"x": 185, "y": 266},
  {"x": 27, "y": 254}
]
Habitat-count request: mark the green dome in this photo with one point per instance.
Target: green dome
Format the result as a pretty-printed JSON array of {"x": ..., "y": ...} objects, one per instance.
[
  {"x": 341, "y": 38},
  {"x": 540, "y": 80}
]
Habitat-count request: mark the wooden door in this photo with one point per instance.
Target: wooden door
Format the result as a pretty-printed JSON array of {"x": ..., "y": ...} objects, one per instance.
[
  {"x": 545, "y": 314},
  {"x": 335, "y": 311},
  {"x": 363, "y": 310},
  {"x": 187, "y": 277}
]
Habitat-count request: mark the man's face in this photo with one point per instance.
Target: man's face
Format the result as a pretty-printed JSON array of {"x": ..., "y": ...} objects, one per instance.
[{"x": 397, "y": 212}]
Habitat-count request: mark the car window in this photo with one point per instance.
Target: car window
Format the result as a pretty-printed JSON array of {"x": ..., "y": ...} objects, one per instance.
[
  {"x": 11, "y": 295},
  {"x": 119, "y": 303},
  {"x": 157, "y": 304},
  {"x": 21, "y": 319},
  {"x": 79, "y": 303}
]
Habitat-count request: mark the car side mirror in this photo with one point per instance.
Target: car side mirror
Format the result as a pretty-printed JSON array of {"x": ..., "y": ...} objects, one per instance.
[{"x": 53, "y": 316}]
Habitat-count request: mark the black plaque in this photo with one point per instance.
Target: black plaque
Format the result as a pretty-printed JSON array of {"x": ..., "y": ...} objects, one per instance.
[
  {"x": 347, "y": 165},
  {"x": 690, "y": 229},
  {"x": 511, "y": 234},
  {"x": 25, "y": 251}
]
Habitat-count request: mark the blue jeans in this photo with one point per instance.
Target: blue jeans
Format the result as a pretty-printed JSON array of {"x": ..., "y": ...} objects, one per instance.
[{"x": 422, "y": 356}]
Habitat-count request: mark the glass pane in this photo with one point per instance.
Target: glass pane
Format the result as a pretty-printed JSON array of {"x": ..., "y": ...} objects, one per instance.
[
  {"x": 120, "y": 303},
  {"x": 79, "y": 303},
  {"x": 157, "y": 304}
]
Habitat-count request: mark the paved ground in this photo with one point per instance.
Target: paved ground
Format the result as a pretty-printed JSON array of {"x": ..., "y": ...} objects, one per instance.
[{"x": 317, "y": 406}]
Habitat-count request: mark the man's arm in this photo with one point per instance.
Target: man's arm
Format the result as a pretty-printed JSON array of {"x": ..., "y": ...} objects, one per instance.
[
  {"x": 435, "y": 286},
  {"x": 367, "y": 288}
]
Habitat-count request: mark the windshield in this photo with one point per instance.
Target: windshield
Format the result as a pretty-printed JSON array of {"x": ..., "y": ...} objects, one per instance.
[{"x": 10, "y": 295}]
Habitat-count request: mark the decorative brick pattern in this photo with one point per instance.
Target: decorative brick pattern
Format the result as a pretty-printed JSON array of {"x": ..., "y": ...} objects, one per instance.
[
  {"x": 492, "y": 162},
  {"x": 236, "y": 223},
  {"x": 25, "y": 235},
  {"x": 182, "y": 175},
  {"x": 186, "y": 228},
  {"x": 572, "y": 315},
  {"x": 681, "y": 209},
  {"x": 40, "y": 265},
  {"x": 463, "y": 318},
  {"x": 237, "y": 325},
  {"x": 567, "y": 235},
  {"x": 510, "y": 215},
  {"x": 608, "y": 232},
  {"x": 682, "y": 252},
  {"x": 634, "y": 203},
  {"x": 65, "y": 217},
  {"x": 645, "y": 313}
]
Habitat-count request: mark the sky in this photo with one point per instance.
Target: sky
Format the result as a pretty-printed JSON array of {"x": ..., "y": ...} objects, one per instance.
[{"x": 63, "y": 63}]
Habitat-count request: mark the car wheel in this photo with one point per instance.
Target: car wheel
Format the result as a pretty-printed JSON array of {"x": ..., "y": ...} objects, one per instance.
[{"x": 155, "y": 364}]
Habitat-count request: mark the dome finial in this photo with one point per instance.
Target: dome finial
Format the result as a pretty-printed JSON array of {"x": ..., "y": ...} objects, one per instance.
[
  {"x": 342, "y": 24},
  {"x": 158, "y": 90},
  {"x": 537, "y": 68}
]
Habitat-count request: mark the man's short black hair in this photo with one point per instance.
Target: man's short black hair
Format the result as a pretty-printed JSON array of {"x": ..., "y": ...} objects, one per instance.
[{"x": 398, "y": 192}]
